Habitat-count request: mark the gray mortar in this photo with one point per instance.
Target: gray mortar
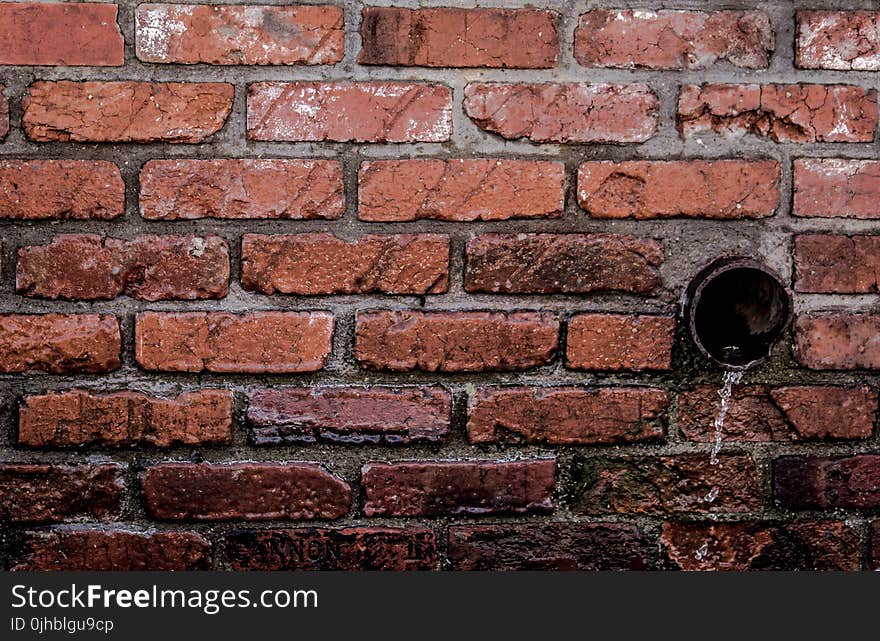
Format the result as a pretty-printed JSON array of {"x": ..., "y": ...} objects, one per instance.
[{"x": 689, "y": 245}]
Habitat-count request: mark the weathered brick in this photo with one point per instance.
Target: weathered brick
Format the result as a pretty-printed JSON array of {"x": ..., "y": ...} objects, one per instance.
[
  {"x": 666, "y": 484},
  {"x": 69, "y": 34},
  {"x": 850, "y": 482},
  {"x": 89, "y": 267},
  {"x": 673, "y": 39},
  {"x": 80, "y": 417},
  {"x": 783, "y": 113},
  {"x": 349, "y": 549},
  {"x": 758, "y": 413},
  {"x": 239, "y": 35},
  {"x": 460, "y": 190},
  {"x": 647, "y": 189},
  {"x": 60, "y": 189},
  {"x": 349, "y": 111},
  {"x": 255, "y": 343},
  {"x": 565, "y": 113},
  {"x": 313, "y": 264},
  {"x": 838, "y": 341},
  {"x": 567, "y": 415},
  {"x": 620, "y": 342},
  {"x": 836, "y": 188},
  {"x": 441, "y": 488},
  {"x": 562, "y": 263},
  {"x": 455, "y": 341},
  {"x": 837, "y": 264},
  {"x": 451, "y": 37},
  {"x": 78, "y": 549},
  {"x": 244, "y": 491},
  {"x": 823, "y": 545},
  {"x": 241, "y": 188},
  {"x": 59, "y": 343},
  {"x": 550, "y": 546},
  {"x": 175, "y": 112},
  {"x": 350, "y": 415},
  {"x": 842, "y": 40},
  {"x": 54, "y": 493}
]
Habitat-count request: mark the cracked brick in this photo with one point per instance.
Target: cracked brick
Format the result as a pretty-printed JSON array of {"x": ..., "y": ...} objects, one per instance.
[
  {"x": 450, "y": 37},
  {"x": 673, "y": 39},
  {"x": 313, "y": 264},
  {"x": 239, "y": 35},
  {"x": 840, "y": 40}
]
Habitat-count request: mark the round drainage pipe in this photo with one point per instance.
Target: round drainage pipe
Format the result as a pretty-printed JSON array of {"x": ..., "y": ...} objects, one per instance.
[{"x": 736, "y": 309}]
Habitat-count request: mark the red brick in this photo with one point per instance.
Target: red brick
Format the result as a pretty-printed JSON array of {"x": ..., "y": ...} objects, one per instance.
[
  {"x": 39, "y": 33},
  {"x": 565, "y": 113},
  {"x": 823, "y": 545},
  {"x": 567, "y": 415},
  {"x": 842, "y": 40},
  {"x": 254, "y": 343},
  {"x": 349, "y": 549},
  {"x": 349, "y": 112},
  {"x": 244, "y": 491},
  {"x": 619, "y": 342},
  {"x": 849, "y": 482},
  {"x": 61, "y": 189},
  {"x": 59, "y": 343},
  {"x": 350, "y": 415},
  {"x": 837, "y": 264},
  {"x": 875, "y": 546},
  {"x": 80, "y": 417},
  {"x": 313, "y": 264},
  {"x": 239, "y": 35},
  {"x": 648, "y": 189},
  {"x": 562, "y": 263},
  {"x": 175, "y": 112},
  {"x": 460, "y": 190},
  {"x": 783, "y": 113},
  {"x": 245, "y": 188},
  {"x": 759, "y": 413},
  {"x": 90, "y": 267},
  {"x": 455, "y": 341},
  {"x": 550, "y": 546},
  {"x": 54, "y": 493},
  {"x": 450, "y": 37},
  {"x": 673, "y": 39},
  {"x": 838, "y": 341},
  {"x": 836, "y": 188},
  {"x": 83, "y": 550},
  {"x": 446, "y": 488},
  {"x": 667, "y": 484}
]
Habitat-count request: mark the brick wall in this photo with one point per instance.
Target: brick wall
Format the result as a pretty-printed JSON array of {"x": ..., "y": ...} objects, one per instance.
[{"x": 352, "y": 286}]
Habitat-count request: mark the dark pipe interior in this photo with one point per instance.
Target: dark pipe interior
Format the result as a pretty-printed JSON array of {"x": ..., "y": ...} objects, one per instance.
[{"x": 738, "y": 314}]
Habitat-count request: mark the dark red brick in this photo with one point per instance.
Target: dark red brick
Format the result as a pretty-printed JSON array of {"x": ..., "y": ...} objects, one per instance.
[
  {"x": 823, "y": 545},
  {"x": 349, "y": 549},
  {"x": 90, "y": 267},
  {"x": 562, "y": 263},
  {"x": 666, "y": 484},
  {"x": 567, "y": 415},
  {"x": 244, "y": 491},
  {"x": 452, "y": 37},
  {"x": 455, "y": 341},
  {"x": 55, "y": 493},
  {"x": 85, "y": 550},
  {"x": 837, "y": 264},
  {"x": 550, "y": 546},
  {"x": 79, "y": 417},
  {"x": 446, "y": 488},
  {"x": 314, "y": 264},
  {"x": 851, "y": 482},
  {"x": 350, "y": 415}
]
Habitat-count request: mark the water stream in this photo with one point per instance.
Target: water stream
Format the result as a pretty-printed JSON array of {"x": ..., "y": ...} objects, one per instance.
[{"x": 731, "y": 378}]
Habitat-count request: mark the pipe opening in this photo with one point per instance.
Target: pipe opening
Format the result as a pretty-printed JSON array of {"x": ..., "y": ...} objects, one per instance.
[{"x": 738, "y": 308}]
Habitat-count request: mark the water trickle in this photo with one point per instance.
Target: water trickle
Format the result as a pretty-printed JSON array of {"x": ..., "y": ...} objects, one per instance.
[
  {"x": 731, "y": 378},
  {"x": 700, "y": 554}
]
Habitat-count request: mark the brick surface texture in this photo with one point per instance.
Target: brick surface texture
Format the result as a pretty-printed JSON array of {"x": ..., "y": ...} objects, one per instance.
[{"x": 400, "y": 286}]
